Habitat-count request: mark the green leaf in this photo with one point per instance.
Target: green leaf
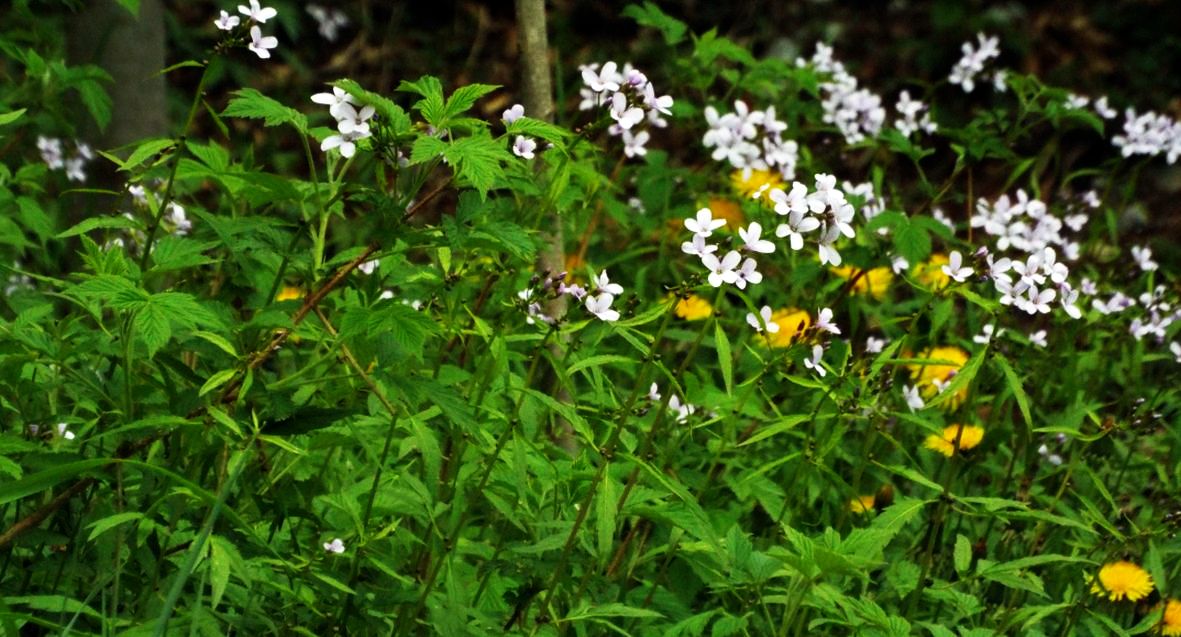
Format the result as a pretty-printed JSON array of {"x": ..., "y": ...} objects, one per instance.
[
  {"x": 605, "y": 501},
  {"x": 145, "y": 149},
  {"x": 536, "y": 128},
  {"x": 961, "y": 380},
  {"x": 787, "y": 423},
  {"x": 131, "y": 5},
  {"x": 110, "y": 522},
  {"x": 218, "y": 341},
  {"x": 56, "y": 604},
  {"x": 431, "y": 105},
  {"x": 610, "y": 610},
  {"x": 477, "y": 160},
  {"x": 8, "y": 118},
  {"x": 650, "y": 15},
  {"x": 96, "y": 100},
  {"x": 722, "y": 343},
  {"x": 389, "y": 112},
  {"x": 962, "y": 554},
  {"x": 47, "y": 479},
  {"x": 251, "y": 104},
  {"x": 465, "y": 97},
  {"x": 217, "y": 380},
  {"x": 1015, "y": 387},
  {"x": 152, "y": 326},
  {"x": 220, "y": 563},
  {"x": 94, "y": 223},
  {"x": 912, "y": 241}
]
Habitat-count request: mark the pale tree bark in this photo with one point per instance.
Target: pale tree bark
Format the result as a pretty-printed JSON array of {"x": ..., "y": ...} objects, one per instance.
[{"x": 538, "y": 90}]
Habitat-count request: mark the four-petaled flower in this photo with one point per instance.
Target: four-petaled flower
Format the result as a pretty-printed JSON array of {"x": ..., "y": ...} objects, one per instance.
[
  {"x": 260, "y": 45},
  {"x": 523, "y": 147},
  {"x": 824, "y": 322},
  {"x": 513, "y": 113},
  {"x": 227, "y": 22},
  {"x": 814, "y": 363},
  {"x": 751, "y": 241},
  {"x": 763, "y": 318},
  {"x": 721, "y": 270},
  {"x": 257, "y": 13},
  {"x": 335, "y": 546},
  {"x": 600, "y": 306},
  {"x": 704, "y": 224},
  {"x": 955, "y": 267}
]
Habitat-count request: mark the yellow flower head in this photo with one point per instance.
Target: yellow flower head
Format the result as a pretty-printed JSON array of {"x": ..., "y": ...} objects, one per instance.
[
  {"x": 791, "y": 321},
  {"x": 1170, "y": 622},
  {"x": 945, "y": 443},
  {"x": 874, "y": 282},
  {"x": 728, "y": 210},
  {"x": 862, "y": 504},
  {"x": 1122, "y": 580},
  {"x": 931, "y": 378},
  {"x": 693, "y": 308},
  {"x": 748, "y": 181},
  {"x": 930, "y": 273},
  {"x": 289, "y": 293}
]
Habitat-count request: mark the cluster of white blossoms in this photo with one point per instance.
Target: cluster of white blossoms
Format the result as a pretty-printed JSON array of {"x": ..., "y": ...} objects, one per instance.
[
  {"x": 913, "y": 116},
  {"x": 972, "y": 64},
  {"x": 523, "y": 146},
  {"x": 329, "y": 22},
  {"x": 259, "y": 44},
  {"x": 174, "y": 220},
  {"x": 61, "y": 430},
  {"x": 631, "y": 101},
  {"x": 856, "y": 112},
  {"x": 751, "y": 140},
  {"x": 824, "y": 211},
  {"x": 681, "y": 410},
  {"x": 53, "y": 154},
  {"x": 352, "y": 125},
  {"x": 1149, "y": 134},
  {"x": 336, "y": 546},
  {"x": 597, "y": 299}
]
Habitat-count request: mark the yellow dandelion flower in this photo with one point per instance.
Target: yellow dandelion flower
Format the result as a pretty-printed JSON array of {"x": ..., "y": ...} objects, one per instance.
[
  {"x": 930, "y": 273},
  {"x": 862, "y": 504},
  {"x": 874, "y": 282},
  {"x": 1170, "y": 622},
  {"x": 1123, "y": 580},
  {"x": 945, "y": 443},
  {"x": 693, "y": 308},
  {"x": 748, "y": 182},
  {"x": 728, "y": 210},
  {"x": 931, "y": 378},
  {"x": 791, "y": 321},
  {"x": 289, "y": 293}
]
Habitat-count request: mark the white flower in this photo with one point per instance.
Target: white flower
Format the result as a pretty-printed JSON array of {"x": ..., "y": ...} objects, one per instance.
[
  {"x": 721, "y": 270},
  {"x": 698, "y": 246},
  {"x": 986, "y": 334},
  {"x": 972, "y": 63},
  {"x": 260, "y": 45},
  {"x": 814, "y": 363},
  {"x": 751, "y": 241},
  {"x": 369, "y": 267},
  {"x": 824, "y": 322},
  {"x": 633, "y": 144},
  {"x": 1038, "y": 338},
  {"x": 346, "y": 144},
  {"x": 258, "y": 13},
  {"x": 336, "y": 545},
  {"x": 64, "y": 432},
  {"x": 328, "y": 21},
  {"x": 176, "y": 214},
  {"x": 757, "y": 321},
  {"x": 603, "y": 284},
  {"x": 626, "y": 116},
  {"x": 606, "y": 79},
  {"x": 899, "y": 264},
  {"x": 654, "y": 393},
  {"x": 600, "y": 306},
  {"x": 874, "y": 345},
  {"x": 955, "y": 269},
  {"x": 1175, "y": 348},
  {"x": 748, "y": 274},
  {"x": 227, "y": 22},
  {"x": 350, "y": 121},
  {"x": 914, "y": 398},
  {"x": 513, "y": 113},
  {"x": 704, "y": 224},
  {"x": 1142, "y": 255},
  {"x": 523, "y": 147},
  {"x": 335, "y": 101}
]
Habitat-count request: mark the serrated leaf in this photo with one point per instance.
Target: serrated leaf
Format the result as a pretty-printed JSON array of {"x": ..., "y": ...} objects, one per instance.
[
  {"x": 94, "y": 223},
  {"x": 912, "y": 241},
  {"x": 650, "y": 15},
  {"x": 477, "y": 160},
  {"x": 145, "y": 149},
  {"x": 431, "y": 105},
  {"x": 153, "y": 327},
  {"x": 465, "y": 97},
  {"x": 537, "y": 128},
  {"x": 251, "y": 104}
]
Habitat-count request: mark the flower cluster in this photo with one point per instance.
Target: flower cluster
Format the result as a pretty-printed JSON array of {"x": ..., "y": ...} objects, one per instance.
[
  {"x": 682, "y": 409},
  {"x": 824, "y": 210},
  {"x": 54, "y": 156},
  {"x": 972, "y": 63},
  {"x": 751, "y": 140},
  {"x": 913, "y": 116},
  {"x": 631, "y": 101},
  {"x": 856, "y": 112},
  {"x": 597, "y": 299},
  {"x": 352, "y": 125},
  {"x": 259, "y": 44},
  {"x": 1149, "y": 134},
  {"x": 329, "y": 22}
]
